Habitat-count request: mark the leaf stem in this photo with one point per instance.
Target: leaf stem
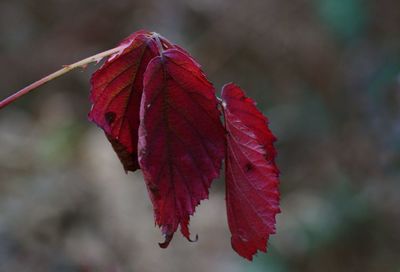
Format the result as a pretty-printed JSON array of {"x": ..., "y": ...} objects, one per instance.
[
  {"x": 66, "y": 68},
  {"x": 159, "y": 45}
]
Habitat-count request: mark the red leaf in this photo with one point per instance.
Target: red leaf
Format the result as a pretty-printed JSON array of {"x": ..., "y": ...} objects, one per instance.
[
  {"x": 252, "y": 196},
  {"x": 152, "y": 99},
  {"x": 116, "y": 93},
  {"x": 181, "y": 139}
]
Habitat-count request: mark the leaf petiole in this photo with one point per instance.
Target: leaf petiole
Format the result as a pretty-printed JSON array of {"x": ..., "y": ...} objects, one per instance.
[{"x": 66, "y": 68}]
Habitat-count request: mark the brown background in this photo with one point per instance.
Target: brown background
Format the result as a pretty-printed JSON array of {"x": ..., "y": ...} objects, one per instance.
[{"x": 325, "y": 72}]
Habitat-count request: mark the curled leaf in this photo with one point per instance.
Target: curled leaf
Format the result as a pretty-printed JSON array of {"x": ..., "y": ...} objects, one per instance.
[
  {"x": 116, "y": 94},
  {"x": 252, "y": 196}
]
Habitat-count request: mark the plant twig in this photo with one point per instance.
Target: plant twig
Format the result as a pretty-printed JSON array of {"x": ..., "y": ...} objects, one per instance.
[{"x": 66, "y": 68}]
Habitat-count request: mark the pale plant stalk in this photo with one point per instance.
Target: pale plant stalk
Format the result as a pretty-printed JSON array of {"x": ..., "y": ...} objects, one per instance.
[{"x": 66, "y": 68}]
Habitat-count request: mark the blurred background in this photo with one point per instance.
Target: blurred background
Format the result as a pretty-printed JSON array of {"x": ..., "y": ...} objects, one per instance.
[{"x": 325, "y": 72}]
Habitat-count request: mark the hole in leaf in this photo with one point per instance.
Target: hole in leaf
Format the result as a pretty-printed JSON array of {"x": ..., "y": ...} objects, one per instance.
[
  {"x": 110, "y": 117},
  {"x": 248, "y": 167}
]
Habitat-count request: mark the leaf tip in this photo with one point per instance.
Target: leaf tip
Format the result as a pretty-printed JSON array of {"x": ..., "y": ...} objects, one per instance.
[
  {"x": 168, "y": 238},
  {"x": 193, "y": 240}
]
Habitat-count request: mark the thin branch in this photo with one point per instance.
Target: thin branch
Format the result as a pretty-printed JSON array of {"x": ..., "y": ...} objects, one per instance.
[{"x": 66, "y": 68}]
